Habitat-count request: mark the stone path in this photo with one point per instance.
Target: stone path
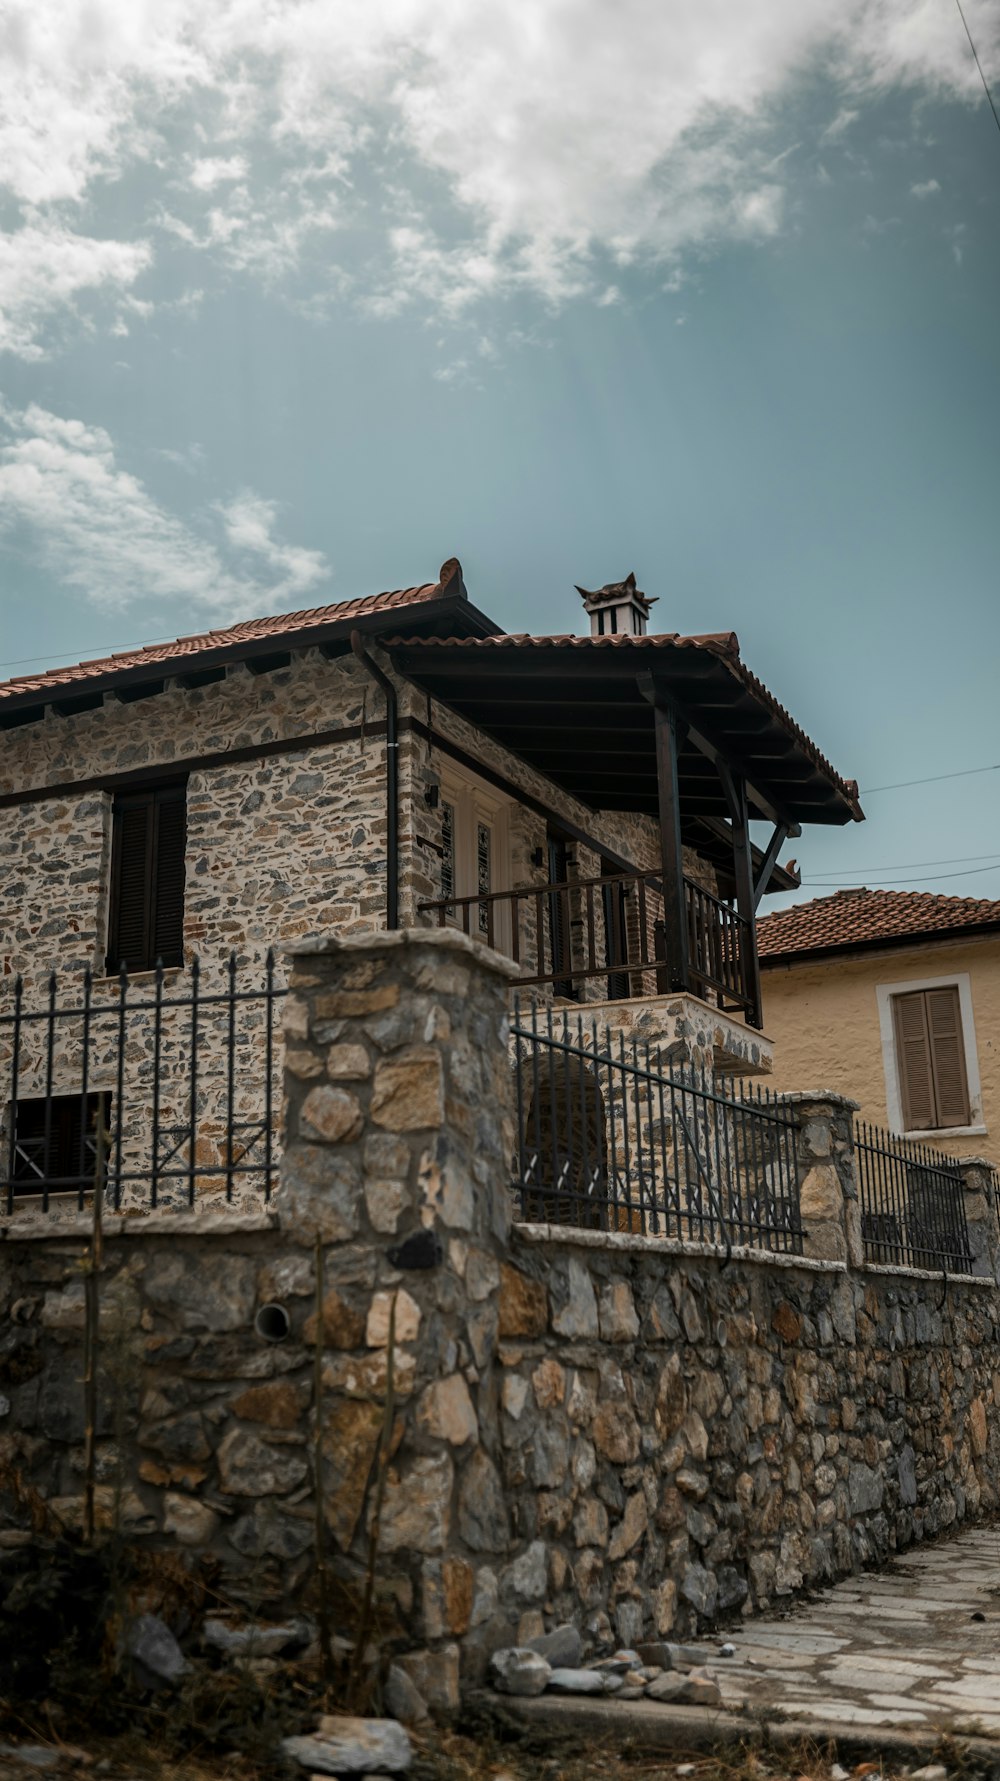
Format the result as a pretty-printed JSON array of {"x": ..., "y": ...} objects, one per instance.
[{"x": 900, "y": 1648}]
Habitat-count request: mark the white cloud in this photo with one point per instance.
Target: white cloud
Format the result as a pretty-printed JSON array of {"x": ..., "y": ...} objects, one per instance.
[
  {"x": 249, "y": 523},
  {"x": 924, "y": 188},
  {"x": 478, "y": 149},
  {"x": 45, "y": 269},
  {"x": 99, "y": 530},
  {"x": 204, "y": 175}
]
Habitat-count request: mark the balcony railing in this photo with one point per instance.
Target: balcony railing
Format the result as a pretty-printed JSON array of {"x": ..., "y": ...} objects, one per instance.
[{"x": 573, "y": 932}]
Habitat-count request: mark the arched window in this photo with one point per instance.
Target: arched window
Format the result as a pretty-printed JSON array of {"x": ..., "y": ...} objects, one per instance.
[{"x": 561, "y": 1169}]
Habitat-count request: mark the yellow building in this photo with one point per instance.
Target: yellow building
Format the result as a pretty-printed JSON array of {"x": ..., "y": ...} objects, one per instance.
[{"x": 892, "y": 998}]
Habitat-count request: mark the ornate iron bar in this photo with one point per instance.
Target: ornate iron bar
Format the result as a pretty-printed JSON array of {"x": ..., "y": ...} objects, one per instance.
[
  {"x": 610, "y": 1138},
  {"x": 573, "y": 931},
  {"x": 912, "y": 1203},
  {"x": 187, "y": 1067}
]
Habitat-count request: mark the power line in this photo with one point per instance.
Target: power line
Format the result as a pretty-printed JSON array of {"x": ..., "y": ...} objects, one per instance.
[
  {"x": 838, "y": 884},
  {"x": 75, "y": 654},
  {"x": 979, "y": 64},
  {"x": 868, "y": 791},
  {"x": 957, "y": 859}
]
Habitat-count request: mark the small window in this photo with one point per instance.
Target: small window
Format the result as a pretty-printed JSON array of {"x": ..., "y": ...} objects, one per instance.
[
  {"x": 930, "y": 1049},
  {"x": 55, "y": 1144},
  {"x": 147, "y": 879}
]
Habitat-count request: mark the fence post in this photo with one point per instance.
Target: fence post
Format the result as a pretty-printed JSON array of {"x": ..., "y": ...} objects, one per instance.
[
  {"x": 828, "y": 1191},
  {"x": 399, "y": 1143},
  {"x": 979, "y": 1183}
]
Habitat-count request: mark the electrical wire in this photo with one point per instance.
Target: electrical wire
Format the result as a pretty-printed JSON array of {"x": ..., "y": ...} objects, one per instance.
[
  {"x": 958, "y": 859},
  {"x": 96, "y": 649},
  {"x": 838, "y": 884},
  {"x": 979, "y": 64},
  {"x": 868, "y": 791}
]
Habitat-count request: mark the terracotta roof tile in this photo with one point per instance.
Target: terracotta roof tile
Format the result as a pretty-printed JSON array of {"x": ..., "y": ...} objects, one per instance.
[
  {"x": 253, "y": 630},
  {"x": 867, "y": 917}
]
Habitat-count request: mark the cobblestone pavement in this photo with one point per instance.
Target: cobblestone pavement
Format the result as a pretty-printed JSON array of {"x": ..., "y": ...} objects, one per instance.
[{"x": 916, "y": 1646}]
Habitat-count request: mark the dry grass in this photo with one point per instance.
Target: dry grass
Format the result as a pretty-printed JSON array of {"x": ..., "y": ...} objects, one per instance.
[{"x": 476, "y": 1752}]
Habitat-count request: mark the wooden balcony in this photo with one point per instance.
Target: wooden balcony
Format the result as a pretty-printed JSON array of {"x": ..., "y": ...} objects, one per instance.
[{"x": 612, "y": 933}]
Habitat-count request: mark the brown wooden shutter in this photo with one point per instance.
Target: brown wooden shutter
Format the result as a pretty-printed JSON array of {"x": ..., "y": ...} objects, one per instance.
[
  {"x": 147, "y": 879},
  {"x": 916, "y": 1072},
  {"x": 131, "y": 877},
  {"x": 168, "y": 877},
  {"x": 944, "y": 1024}
]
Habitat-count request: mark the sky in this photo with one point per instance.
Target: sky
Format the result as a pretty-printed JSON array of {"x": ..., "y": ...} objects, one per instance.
[{"x": 298, "y": 300}]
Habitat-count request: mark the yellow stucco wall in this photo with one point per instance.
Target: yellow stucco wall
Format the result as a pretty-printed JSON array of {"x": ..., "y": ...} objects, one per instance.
[{"x": 823, "y": 1018}]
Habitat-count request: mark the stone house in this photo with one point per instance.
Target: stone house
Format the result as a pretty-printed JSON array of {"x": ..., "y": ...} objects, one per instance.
[
  {"x": 582, "y": 802},
  {"x": 893, "y": 996}
]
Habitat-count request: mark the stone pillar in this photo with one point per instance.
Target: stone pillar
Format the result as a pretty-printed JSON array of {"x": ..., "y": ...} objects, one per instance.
[
  {"x": 828, "y": 1191},
  {"x": 980, "y": 1184},
  {"x": 399, "y": 1144}
]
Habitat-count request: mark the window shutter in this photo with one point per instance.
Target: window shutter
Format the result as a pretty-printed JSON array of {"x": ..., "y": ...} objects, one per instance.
[
  {"x": 944, "y": 1023},
  {"x": 147, "y": 879},
  {"x": 916, "y": 1079},
  {"x": 131, "y": 876},
  {"x": 168, "y": 878}
]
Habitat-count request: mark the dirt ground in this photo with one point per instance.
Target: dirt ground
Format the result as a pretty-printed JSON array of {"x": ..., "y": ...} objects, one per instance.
[{"x": 454, "y": 1756}]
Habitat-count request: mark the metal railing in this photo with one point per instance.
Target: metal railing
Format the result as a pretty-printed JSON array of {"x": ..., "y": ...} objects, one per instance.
[
  {"x": 720, "y": 944},
  {"x": 570, "y": 932},
  {"x": 912, "y": 1203},
  {"x": 609, "y": 1139},
  {"x": 183, "y": 1071}
]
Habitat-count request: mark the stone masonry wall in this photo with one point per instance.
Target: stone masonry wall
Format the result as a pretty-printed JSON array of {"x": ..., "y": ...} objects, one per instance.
[
  {"x": 277, "y": 848},
  {"x": 617, "y": 1430},
  {"x": 682, "y": 1439}
]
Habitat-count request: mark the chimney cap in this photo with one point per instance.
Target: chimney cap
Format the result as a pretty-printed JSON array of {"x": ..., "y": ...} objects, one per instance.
[{"x": 616, "y": 593}]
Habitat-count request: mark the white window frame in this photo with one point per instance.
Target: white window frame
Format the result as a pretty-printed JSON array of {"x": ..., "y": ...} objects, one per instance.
[
  {"x": 474, "y": 801},
  {"x": 884, "y": 993}
]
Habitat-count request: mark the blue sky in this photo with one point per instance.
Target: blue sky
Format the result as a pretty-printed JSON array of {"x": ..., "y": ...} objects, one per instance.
[{"x": 295, "y": 303}]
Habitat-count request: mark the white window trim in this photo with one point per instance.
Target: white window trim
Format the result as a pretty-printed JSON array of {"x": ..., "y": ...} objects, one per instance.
[{"x": 884, "y": 993}]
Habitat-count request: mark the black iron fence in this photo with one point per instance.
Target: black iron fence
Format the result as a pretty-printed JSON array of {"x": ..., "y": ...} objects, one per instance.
[
  {"x": 610, "y": 1139},
  {"x": 182, "y": 1068},
  {"x": 912, "y": 1203}
]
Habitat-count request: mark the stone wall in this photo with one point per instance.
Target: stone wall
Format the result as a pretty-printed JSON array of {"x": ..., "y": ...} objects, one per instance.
[
  {"x": 681, "y": 1440},
  {"x": 637, "y": 1435},
  {"x": 279, "y": 846}
]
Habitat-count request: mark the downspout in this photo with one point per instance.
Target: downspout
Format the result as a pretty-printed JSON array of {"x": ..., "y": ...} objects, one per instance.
[{"x": 391, "y": 780}]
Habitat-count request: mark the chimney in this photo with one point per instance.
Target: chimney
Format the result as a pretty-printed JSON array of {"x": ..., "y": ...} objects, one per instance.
[{"x": 617, "y": 609}]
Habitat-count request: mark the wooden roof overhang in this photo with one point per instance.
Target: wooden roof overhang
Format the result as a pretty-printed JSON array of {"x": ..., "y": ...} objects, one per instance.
[{"x": 582, "y": 711}]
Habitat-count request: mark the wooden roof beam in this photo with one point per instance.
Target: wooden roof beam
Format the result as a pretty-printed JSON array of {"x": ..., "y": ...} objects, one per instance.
[{"x": 762, "y": 800}]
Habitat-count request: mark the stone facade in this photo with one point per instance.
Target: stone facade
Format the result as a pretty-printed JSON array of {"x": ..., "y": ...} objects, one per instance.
[
  {"x": 280, "y": 845},
  {"x": 640, "y": 1436}
]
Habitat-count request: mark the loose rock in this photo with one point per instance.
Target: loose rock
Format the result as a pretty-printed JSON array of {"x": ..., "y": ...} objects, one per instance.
[
  {"x": 256, "y": 1641},
  {"x": 157, "y": 1659},
  {"x": 516, "y": 1669},
  {"x": 570, "y": 1681},
  {"x": 351, "y": 1746},
  {"x": 563, "y": 1646}
]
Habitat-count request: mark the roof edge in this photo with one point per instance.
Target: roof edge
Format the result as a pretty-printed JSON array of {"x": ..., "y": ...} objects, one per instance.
[
  {"x": 881, "y": 943},
  {"x": 163, "y": 665}
]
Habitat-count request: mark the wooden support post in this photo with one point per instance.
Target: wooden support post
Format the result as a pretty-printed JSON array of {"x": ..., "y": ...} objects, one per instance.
[
  {"x": 736, "y": 797},
  {"x": 769, "y": 861},
  {"x": 668, "y": 743}
]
